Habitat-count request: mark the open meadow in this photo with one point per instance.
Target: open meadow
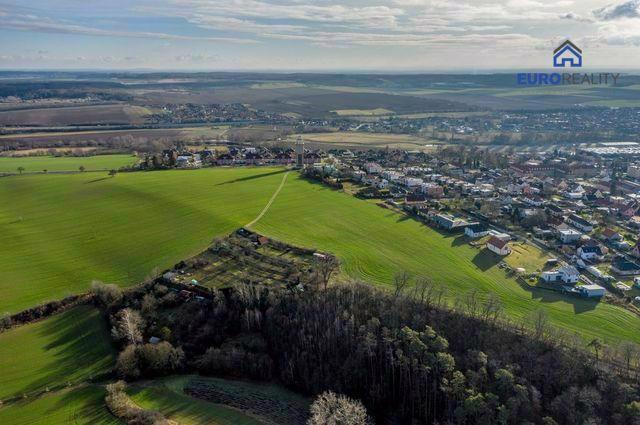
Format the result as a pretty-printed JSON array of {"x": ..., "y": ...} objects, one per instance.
[
  {"x": 82, "y": 405},
  {"x": 75, "y": 228},
  {"x": 375, "y": 243},
  {"x": 60, "y": 354},
  {"x": 37, "y": 164},
  {"x": 60, "y": 232},
  {"x": 67, "y": 348}
]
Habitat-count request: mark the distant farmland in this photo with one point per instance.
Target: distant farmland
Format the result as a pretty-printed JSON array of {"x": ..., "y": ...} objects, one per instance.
[
  {"x": 72, "y": 138},
  {"x": 361, "y": 140},
  {"x": 75, "y": 115}
]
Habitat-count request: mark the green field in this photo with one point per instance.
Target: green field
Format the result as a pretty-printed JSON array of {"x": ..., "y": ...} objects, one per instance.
[
  {"x": 83, "y": 405},
  {"x": 36, "y": 164},
  {"x": 75, "y": 228},
  {"x": 375, "y": 243},
  {"x": 59, "y": 232},
  {"x": 167, "y": 396},
  {"x": 68, "y": 347}
]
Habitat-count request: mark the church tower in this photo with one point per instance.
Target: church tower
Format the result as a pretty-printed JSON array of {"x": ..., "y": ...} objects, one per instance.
[{"x": 299, "y": 152}]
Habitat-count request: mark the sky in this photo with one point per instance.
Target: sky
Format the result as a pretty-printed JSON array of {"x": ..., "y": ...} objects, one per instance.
[{"x": 321, "y": 35}]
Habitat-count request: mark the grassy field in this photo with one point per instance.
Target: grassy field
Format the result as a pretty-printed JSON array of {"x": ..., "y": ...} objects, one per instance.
[
  {"x": 167, "y": 396},
  {"x": 60, "y": 232},
  {"x": 80, "y": 406},
  {"x": 75, "y": 228},
  {"x": 375, "y": 243},
  {"x": 68, "y": 347},
  {"x": 36, "y": 164}
]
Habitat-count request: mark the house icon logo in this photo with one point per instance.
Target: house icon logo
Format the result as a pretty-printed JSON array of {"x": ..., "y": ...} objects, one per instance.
[{"x": 567, "y": 55}]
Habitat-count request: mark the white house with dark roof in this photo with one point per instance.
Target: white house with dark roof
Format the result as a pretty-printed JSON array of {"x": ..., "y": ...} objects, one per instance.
[
  {"x": 590, "y": 252},
  {"x": 566, "y": 274},
  {"x": 580, "y": 223},
  {"x": 476, "y": 230}
]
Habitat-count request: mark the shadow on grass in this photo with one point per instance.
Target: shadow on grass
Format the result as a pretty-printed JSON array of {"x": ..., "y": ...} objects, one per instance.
[
  {"x": 252, "y": 177},
  {"x": 177, "y": 405},
  {"x": 97, "y": 180},
  {"x": 79, "y": 347},
  {"x": 580, "y": 304},
  {"x": 89, "y": 406},
  {"x": 486, "y": 259},
  {"x": 460, "y": 240}
]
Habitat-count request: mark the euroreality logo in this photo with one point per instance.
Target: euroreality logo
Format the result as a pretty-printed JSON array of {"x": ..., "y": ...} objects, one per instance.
[{"x": 566, "y": 55}]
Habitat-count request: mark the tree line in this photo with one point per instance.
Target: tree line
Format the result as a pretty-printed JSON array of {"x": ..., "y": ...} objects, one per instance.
[{"x": 404, "y": 354}]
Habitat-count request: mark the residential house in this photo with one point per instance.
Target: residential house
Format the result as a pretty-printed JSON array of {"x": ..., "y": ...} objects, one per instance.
[
  {"x": 412, "y": 181},
  {"x": 611, "y": 235},
  {"x": 635, "y": 251},
  {"x": 534, "y": 200},
  {"x": 568, "y": 236},
  {"x": 373, "y": 168},
  {"x": 624, "y": 267},
  {"x": 432, "y": 190},
  {"x": 566, "y": 274},
  {"x": 576, "y": 192},
  {"x": 580, "y": 223},
  {"x": 449, "y": 222},
  {"x": 554, "y": 210},
  {"x": 476, "y": 230},
  {"x": 498, "y": 246},
  {"x": 590, "y": 252},
  {"x": 591, "y": 291},
  {"x": 225, "y": 159}
]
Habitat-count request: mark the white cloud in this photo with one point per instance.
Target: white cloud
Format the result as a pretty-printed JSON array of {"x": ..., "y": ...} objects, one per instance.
[
  {"x": 35, "y": 23},
  {"x": 629, "y": 9}
]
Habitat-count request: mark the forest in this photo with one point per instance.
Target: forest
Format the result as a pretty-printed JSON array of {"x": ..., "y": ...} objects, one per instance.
[{"x": 407, "y": 356}]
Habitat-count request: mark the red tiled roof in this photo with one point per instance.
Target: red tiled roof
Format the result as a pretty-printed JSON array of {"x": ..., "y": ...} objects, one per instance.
[{"x": 498, "y": 243}]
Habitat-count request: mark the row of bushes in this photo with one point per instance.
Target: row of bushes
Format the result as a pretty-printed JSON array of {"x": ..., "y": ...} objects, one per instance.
[
  {"x": 122, "y": 407},
  {"x": 43, "y": 311}
]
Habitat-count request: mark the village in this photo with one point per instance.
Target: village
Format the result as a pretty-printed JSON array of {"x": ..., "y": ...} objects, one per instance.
[{"x": 566, "y": 220}]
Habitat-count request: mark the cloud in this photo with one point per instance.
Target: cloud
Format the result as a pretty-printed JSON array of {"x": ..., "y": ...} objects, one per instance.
[
  {"x": 35, "y": 23},
  {"x": 571, "y": 16},
  {"x": 630, "y": 9}
]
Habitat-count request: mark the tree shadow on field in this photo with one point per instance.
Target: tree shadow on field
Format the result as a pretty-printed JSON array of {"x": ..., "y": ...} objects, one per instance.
[
  {"x": 89, "y": 407},
  {"x": 253, "y": 177},
  {"x": 78, "y": 346},
  {"x": 545, "y": 295},
  {"x": 97, "y": 180}
]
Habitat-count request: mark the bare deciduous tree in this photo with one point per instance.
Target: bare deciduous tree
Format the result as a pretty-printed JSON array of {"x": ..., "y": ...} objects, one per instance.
[
  {"x": 332, "y": 409},
  {"x": 128, "y": 326},
  {"x": 325, "y": 265},
  {"x": 400, "y": 282}
]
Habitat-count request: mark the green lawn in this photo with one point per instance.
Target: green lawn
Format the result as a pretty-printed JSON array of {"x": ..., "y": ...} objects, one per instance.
[
  {"x": 167, "y": 396},
  {"x": 59, "y": 232},
  {"x": 68, "y": 347},
  {"x": 83, "y": 405},
  {"x": 375, "y": 243},
  {"x": 36, "y": 164}
]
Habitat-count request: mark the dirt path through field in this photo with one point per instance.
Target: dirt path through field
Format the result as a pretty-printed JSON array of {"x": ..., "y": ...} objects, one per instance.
[{"x": 273, "y": 198}]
